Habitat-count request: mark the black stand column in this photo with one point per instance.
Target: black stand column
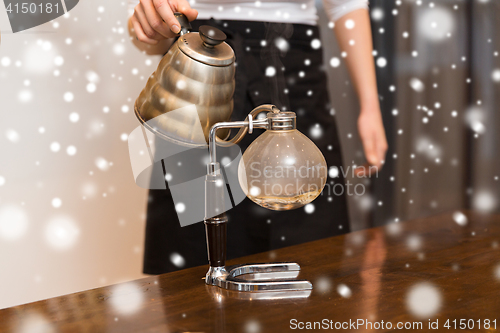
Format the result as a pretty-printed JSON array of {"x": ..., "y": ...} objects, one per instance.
[{"x": 216, "y": 231}]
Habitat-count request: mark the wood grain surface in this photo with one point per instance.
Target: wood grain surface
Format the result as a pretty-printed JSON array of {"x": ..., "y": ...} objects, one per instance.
[{"x": 404, "y": 272}]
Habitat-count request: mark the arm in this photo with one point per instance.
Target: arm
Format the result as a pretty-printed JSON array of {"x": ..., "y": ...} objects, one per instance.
[
  {"x": 362, "y": 70},
  {"x": 153, "y": 24}
]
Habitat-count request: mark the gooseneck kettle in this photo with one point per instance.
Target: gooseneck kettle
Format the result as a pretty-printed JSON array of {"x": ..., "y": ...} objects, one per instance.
[{"x": 198, "y": 70}]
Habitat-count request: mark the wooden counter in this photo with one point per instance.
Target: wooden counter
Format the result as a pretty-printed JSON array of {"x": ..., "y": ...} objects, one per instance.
[{"x": 403, "y": 272}]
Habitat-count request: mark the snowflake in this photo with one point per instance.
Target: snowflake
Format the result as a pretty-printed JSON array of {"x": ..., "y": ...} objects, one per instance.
[
  {"x": 270, "y": 71},
  {"x": 344, "y": 290},
  {"x": 423, "y": 300},
  {"x": 91, "y": 87},
  {"x": 71, "y": 150},
  {"x": 316, "y": 131},
  {"x": 127, "y": 298},
  {"x": 333, "y": 172},
  {"x": 58, "y": 61},
  {"x": 56, "y": 202},
  {"x": 68, "y": 96},
  {"x": 417, "y": 85},
  {"x": 495, "y": 75},
  {"x": 39, "y": 57},
  {"x": 309, "y": 208},
  {"x": 177, "y": 259},
  {"x": 484, "y": 201},
  {"x": 252, "y": 326},
  {"x": 323, "y": 285},
  {"x": 13, "y": 222},
  {"x": 377, "y": 14},
  {"x": 102, "y": 164},
  {"x": 12, "y": 135},
  {"x": 55, "y": 146},
  {"x": 180, "y": 207},
  {"x": 350, "y": 24},
  {"x": 315, "y": 43},
  {"x": 381, "y": 62},
  {"x": 61, "y": 233},
  {"x": 435, "y": 24},
  {"x": 335, "y": 62},
  {"x": 414, "y": 242},
  {"x": 74, "y": 117},
  {"x": 5, "y": 61},
  {"x": 119, "y": 49},
  {"x": 35, "y": 322},
  {"x": 282, "y": 44},
  {"x": 460, "y": 218},
  {"x": 475, "y": 118}
]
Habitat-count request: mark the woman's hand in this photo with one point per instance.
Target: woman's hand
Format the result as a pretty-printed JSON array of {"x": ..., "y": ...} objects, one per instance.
[
  {"x": 356, "y": 40},
  {"x": 154, "y": 20},
  {"x": 372, "y": 133}
]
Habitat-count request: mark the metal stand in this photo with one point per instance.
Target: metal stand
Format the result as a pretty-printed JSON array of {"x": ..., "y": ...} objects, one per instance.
[{"x": 265, "y": 277}]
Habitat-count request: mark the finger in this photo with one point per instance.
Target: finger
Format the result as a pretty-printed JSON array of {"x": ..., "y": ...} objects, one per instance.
[
  {"x": 140, "y": 33},
  {"x": 382, "y": 148},
  {"x": 155, "y": 20},
  {"x": 381, "y": 143},
  {"x": 370, "y": 150},
  {"x": 166, "y": 13},
  {"x": 363, "y": 170},
  {"x": 146, "y": 27},
  {"x": 184, "y": 7}
]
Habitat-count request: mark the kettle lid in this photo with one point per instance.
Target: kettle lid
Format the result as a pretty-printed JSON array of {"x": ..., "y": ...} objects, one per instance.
[{"x": 207, "y": 46}]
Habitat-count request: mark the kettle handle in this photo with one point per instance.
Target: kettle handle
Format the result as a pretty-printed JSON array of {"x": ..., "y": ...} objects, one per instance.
[{"x": 184, "y": 22}]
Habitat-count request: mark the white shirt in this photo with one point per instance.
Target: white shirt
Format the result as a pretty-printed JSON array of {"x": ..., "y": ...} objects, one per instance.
[{"x": 289, "y": 11}]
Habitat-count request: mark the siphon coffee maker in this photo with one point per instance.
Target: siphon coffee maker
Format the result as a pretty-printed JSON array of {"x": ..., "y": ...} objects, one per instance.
[{"x": 281, "y": 170}]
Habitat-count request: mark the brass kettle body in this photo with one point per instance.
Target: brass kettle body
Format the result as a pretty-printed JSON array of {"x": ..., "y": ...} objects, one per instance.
[{"x": 198, "y": 70}]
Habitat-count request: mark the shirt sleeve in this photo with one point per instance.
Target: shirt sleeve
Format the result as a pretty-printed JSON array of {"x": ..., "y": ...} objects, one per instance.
[
  {"x": 131, "y": 6},
  {"x": 335, "y": 9}
]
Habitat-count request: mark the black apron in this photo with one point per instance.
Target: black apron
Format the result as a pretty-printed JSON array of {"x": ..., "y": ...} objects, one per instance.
[{"x": 299, "y": 84}]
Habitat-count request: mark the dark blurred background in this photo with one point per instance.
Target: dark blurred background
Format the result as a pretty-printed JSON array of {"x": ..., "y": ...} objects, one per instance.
[{"x": 438, "y": 71}]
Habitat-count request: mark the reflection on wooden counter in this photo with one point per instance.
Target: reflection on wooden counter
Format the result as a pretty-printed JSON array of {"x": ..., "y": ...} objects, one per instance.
[{"x": 440, "y": 268}]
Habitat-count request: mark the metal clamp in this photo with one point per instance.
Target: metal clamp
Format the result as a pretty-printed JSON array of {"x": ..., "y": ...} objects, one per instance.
[
  {"x": 250, "y": 124},
  {"x": 275, "y": 120},
  {"x": 263, "y": 277}
]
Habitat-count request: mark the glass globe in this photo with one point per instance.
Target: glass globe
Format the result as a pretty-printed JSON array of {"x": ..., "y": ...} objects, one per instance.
[{"x": 282, "y": 169}]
